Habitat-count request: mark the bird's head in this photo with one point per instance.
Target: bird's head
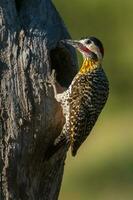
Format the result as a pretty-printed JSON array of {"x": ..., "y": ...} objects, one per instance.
[{"x": 90, "y": 47}]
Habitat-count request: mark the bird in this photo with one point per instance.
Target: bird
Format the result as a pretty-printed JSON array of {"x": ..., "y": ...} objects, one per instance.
[{"x": 86, "y": 96}]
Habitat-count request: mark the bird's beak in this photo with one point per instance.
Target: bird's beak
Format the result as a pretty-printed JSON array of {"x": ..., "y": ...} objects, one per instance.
[{"x": 74, "y": 43}]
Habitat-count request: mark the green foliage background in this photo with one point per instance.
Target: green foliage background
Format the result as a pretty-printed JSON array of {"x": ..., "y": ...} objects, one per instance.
[{"x": 103, "y": 167}]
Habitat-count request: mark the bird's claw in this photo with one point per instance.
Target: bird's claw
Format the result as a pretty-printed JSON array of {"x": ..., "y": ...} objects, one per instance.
[{"x": 52, "y": 77}]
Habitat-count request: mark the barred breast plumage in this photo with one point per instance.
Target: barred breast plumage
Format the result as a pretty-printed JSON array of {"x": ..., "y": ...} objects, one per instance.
[{"x": 88, "y": 96}]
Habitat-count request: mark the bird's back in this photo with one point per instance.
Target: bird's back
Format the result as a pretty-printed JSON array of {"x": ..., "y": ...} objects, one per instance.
[{"x": 88, "y": 96}]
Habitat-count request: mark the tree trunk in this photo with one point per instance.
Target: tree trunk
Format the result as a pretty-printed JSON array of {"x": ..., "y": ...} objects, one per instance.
[{"x": 30, "y": 117}]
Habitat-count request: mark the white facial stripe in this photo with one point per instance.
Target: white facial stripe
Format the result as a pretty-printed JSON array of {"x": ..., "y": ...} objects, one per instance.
[{"x": 94, "y": 49}]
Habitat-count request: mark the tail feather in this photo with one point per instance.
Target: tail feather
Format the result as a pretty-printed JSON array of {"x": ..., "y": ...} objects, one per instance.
[{"x": 60, "y": 141}]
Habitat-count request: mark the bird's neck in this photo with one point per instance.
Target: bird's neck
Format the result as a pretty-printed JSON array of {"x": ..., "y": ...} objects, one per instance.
[{"x": 89, "y": 65}]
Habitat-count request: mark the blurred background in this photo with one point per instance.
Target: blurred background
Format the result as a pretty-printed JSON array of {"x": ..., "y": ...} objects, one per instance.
[{"x": 103, "y": 167}]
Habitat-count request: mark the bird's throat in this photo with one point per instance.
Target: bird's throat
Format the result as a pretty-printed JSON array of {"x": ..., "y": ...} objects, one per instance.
[{"x": 88, "y": 66}]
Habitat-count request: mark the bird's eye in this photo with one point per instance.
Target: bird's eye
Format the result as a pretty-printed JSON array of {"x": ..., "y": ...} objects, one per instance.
[{"x": 88, "y": 42}]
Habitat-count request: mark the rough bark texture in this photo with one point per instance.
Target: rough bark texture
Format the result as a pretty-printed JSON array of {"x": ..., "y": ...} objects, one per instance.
[{"x": 30, "y": 118}]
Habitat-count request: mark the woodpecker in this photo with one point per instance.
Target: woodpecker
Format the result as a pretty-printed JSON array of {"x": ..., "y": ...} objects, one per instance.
[{"x": 85, "y": 98}]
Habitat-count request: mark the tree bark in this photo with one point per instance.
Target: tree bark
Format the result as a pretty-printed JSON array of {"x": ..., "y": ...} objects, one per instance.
[{"x": 30, "y": 117}]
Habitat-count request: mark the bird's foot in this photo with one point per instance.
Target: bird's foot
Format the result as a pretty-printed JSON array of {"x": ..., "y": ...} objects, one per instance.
[{"x": 51, "y": 79}]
